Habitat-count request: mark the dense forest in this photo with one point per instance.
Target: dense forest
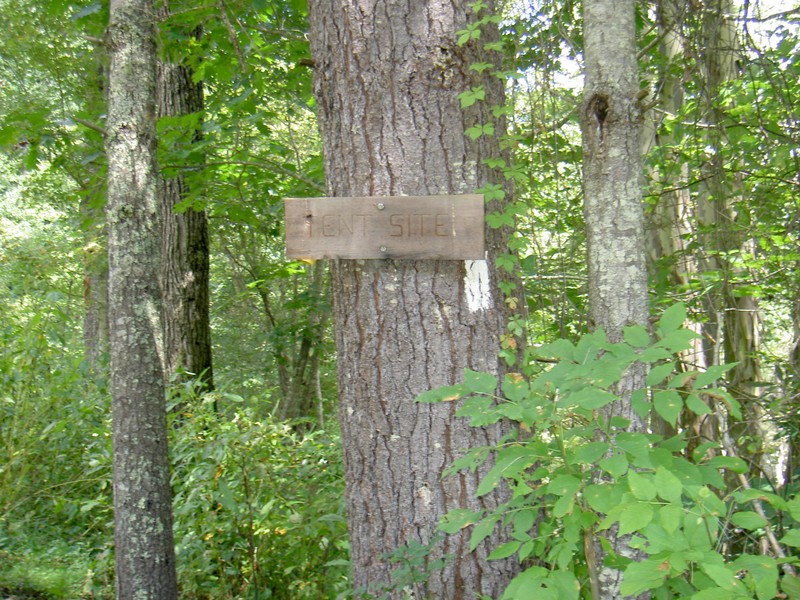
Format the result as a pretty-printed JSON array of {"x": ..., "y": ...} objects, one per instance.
[{"x": 606, "y": 406}]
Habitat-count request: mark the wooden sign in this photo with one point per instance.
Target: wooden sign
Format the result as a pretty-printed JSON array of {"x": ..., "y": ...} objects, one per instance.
[{"x": 406, "y": 227}]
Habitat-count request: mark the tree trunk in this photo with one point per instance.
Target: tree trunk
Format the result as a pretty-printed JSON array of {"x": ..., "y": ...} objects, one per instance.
[
  {"x": 95, "y": 264},
  {"x": 185, "y": 264},
  {"x": 671, "y": 221},
  {"x": 612, "y": 172},
  {"x": 95, "y": 289},
  {"x": 145, "y": 559},
  {"x": 301, "y": 361},
  {"x": 387, "y": 78}
]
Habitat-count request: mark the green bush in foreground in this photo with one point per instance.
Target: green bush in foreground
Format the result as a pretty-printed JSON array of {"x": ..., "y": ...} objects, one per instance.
[{"x": 574, "y": 476}]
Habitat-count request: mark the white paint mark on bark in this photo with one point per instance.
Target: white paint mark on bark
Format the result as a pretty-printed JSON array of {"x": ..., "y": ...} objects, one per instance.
[{"x": 476, "y": 285}]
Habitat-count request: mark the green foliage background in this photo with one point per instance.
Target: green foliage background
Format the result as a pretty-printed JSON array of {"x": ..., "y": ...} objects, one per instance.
[{"x": 258, "y": 501}]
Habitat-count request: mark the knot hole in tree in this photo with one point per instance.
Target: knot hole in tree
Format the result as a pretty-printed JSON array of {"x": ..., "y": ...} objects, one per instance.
[{"x": 598, "y": 108}]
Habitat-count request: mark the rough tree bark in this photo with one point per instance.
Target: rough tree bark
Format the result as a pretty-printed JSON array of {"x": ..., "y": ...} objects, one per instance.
[
  {"x": 387, "y": 76},
  {"x": 95, "y": 270},
  {"x": 95, "y": 289},
  {"x": 612, "y": 172},
  {"x": 144, "y": 553},
  {"x": 671, "y": 221},
  {"x": 185, "y": 262}
]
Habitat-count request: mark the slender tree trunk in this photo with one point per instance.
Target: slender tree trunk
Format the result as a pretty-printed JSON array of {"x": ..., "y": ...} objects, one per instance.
[
  {"x": 302, "y": 360},
  {"x": 95, "y": 269},
  {"x": 671, "y": 221},
  {"x": 612, "y": 132},
  {"x": 734, "y": 315},
  {"x": 185, "y": 264},
  {"x": 95, "y": 288},
  {"x": 387, "y": 78},
  {"x": 145, "y": 559}
]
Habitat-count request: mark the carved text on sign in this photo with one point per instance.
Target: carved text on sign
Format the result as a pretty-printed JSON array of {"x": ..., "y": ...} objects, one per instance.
[{"x": 413, "y": 227}]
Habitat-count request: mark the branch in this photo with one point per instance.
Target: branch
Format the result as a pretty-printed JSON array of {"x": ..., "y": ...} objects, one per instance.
[
  {"x": 232, "y": 34},
  {"x": 90, "y": 125}
]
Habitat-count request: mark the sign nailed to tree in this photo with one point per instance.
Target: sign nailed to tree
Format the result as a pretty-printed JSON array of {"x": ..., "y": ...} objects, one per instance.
[{"x": 406, "y": 227}]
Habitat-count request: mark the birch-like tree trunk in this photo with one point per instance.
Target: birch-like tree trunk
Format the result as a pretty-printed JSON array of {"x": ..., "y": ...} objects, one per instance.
[
  {"x": 185, "y": 252},
  {"x": 387, "y": 78},
  {"x": 612, "y": 177},
  {"x": 144, "y": 553}
]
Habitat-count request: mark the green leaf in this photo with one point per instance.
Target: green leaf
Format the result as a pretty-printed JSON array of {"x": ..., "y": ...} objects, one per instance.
[
  {"x": 522, "y": 523},
  {"x": 589, "y": 453},
  {"x": 792, "y": 538},
  {"x": 507, "y": 262},
  {"x": 697, "y": 406},
  {"x": 603, "y": 497},
  {"x": 668, "y": 404},
  {"x": 637, "y": 444},
  {"x": 564, "y": 485},
  {"x": 480, "y": 383},
  {"x": 515, "y": 388},
  {"x": 472, "y": 96},
  {"x": 225, "y": 496},
  {"x": 481, "y": 531},
  {"x": 672, "y": 319},
  {"x": 505, "y": 550},
  {"x": 641, "y": 486},
  {"x": 748, "y": 495},
  {"x": 480, "y": 67},
  {"x": 458, "y": 518},
  {"x": 478, "y": 130},
  {"x": 711, "y": 375},
  {"x": 793, "y": 506},
  {"x": 637, "y": 336},
  {"x": 763, "y": 571},
  {"x": 642, "y": 576},
  {"x": 669, "y": 485},
  {"x": 731, "y": 463},
  {"x": 615, "y": 465},
  {"x": 670, "y": 517},
  {"x": 481, "y": 411},
  {"x": 635, "y": 516},
  {"x": 565, "y": 584},
  {"x": 721, "y": 575},
  {"x": 660, "y": 372},
  {"x": 641, "y": 403},
  {"x": 748, "y": 520},
  {"x": 561, "y": 349},
  {"x": 563, "y": 506},
  {"x": 589, "y": 398},
  {"x": 447, "y": 393},
  {"x": 676, "y": 341},
  {"x": 529, "y": 584},
  {"x": 500, "y": 219},
  {"x": 790, "y": 585},
  {"x": 511, "y": 461}
]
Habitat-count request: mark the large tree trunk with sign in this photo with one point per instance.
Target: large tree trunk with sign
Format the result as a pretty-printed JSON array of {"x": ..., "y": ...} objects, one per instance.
[
  {"x": 388, "y": 75},
  {"x": 144, "y": 553},
  {"x": 612, "y": 131}
]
